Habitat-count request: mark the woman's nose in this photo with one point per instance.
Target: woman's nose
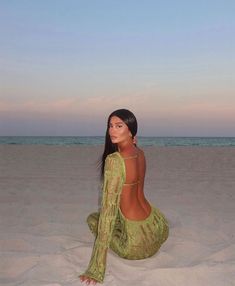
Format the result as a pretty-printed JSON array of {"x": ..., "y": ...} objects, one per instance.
[{"x": 111, "y": 130}]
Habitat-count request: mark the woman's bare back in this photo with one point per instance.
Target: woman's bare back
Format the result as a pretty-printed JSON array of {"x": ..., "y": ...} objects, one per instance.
[{"x": 133, "y": 203}]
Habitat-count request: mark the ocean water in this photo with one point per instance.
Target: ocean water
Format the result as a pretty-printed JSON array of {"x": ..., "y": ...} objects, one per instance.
[{"x": 99, "y": 140}]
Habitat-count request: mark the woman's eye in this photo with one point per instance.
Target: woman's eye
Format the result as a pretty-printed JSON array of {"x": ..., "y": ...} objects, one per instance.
[{"x": 119, "y": 126}]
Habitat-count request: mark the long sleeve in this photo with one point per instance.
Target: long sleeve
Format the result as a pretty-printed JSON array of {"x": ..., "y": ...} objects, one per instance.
[{"x": 112, "y": 184}]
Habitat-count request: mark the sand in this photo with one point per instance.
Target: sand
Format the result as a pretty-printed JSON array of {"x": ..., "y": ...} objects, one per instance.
[{"x": 46, "y": 193}]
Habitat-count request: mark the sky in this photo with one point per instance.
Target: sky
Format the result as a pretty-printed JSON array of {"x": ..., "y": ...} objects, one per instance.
[{"x": 66, "y": 65}]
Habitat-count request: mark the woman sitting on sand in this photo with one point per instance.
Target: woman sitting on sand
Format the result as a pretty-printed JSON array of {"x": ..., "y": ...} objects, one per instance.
[{"x": 127, "y": 222}]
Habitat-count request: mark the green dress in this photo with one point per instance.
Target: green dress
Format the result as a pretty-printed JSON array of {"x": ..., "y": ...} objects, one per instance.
[{"x": 130, "y": 239}]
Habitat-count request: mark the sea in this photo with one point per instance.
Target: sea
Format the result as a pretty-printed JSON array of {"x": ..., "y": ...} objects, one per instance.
[{"x": 99, "y": 140}]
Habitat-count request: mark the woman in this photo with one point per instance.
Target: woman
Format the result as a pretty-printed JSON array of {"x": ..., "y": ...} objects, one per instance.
[{"x": 127, "y": 222}]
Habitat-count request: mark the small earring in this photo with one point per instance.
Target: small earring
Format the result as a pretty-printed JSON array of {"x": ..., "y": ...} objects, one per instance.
[{"x": 134, "y": 140}]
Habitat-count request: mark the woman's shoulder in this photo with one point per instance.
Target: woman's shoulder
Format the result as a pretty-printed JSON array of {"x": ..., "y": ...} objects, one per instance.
[
  {"x": 113, "y": 162},
  {"x": 113, "y": 157},
  {"x": 140, "y": 151}
]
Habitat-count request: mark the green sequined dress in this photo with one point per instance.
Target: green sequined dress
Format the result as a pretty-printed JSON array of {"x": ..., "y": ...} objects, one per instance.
[{"x": 130, "y": 239}]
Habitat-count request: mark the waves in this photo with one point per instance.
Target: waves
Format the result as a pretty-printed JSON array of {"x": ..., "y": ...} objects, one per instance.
[{"x": 99, "y": 140}]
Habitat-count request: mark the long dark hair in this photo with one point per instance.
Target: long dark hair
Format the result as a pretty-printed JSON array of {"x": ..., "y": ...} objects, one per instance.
[{"x": 130, "y": 120}]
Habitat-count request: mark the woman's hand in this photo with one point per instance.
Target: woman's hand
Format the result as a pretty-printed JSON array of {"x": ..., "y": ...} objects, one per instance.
[{"x": 88, "y": 280}]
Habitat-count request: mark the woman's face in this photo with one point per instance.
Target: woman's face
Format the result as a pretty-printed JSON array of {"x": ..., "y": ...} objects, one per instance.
[{"x": 118, "y": 130}]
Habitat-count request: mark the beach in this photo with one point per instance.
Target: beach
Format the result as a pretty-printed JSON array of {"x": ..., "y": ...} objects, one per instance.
[{"x": 47, "y": 192}]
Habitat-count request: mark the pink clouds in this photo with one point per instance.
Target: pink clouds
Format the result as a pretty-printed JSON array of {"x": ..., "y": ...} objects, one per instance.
[{"x": 154, "y": 109}]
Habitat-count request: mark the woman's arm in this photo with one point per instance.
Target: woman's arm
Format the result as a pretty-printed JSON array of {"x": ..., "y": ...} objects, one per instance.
[{"x": 113, "y": 180}]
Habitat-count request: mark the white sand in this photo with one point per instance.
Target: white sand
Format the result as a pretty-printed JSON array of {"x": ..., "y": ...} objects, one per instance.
[{"x": 46, "y": 193}]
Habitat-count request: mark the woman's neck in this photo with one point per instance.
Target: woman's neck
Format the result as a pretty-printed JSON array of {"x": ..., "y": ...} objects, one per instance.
[{"x": 127, "y": 147}]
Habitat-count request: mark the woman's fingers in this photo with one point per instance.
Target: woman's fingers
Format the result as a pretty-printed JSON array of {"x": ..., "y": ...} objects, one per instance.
[{"x": 88, "y": 280}]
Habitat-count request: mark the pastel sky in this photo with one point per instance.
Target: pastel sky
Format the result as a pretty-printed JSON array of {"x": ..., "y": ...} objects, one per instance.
[{"x": 66, "y": 65}]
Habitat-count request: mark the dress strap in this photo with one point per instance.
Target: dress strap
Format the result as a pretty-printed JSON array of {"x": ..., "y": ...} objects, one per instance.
[
  {"x": 129, "y": 184},
  {"x": 129, "y": 157}
]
